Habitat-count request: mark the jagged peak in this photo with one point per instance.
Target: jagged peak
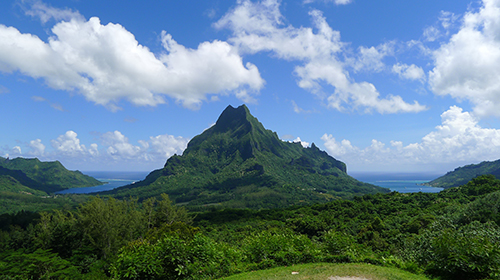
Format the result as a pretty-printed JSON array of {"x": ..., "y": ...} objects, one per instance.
[{"x": 232, "y": 118}]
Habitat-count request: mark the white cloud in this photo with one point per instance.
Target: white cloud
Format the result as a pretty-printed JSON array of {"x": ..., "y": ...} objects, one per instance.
[
  {"x": 303, "y": 143},
  {"x": 258, "y": 27},
  {"x": 447, "y": 19},
  {"x": 106, "y": 64},
  {"x": 431, "y": 34},
  {"x": 14, "y": 152},
  {"x": 119, "y": 146},
  {"x": 157, "y": 149},
  {"x": 468, "y": 66},
  {"x": 68, "y": 144},
  {"x": 459, "y": 139},
  {"x": 410, "y": 72},
  {"x": 164, "y": 146},
  {"x": 37, "y": 148},
  {"x": 370, "y": 59},
  {"x": 45, "y": 13}
]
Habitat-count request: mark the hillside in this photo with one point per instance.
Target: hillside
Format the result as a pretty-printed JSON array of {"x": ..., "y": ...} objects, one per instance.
[
  {"x": 453, "y": 234},
  {"x": 238, "y": 163},
  {"x": 34, "y": 174},
  {"x": 464, "y": 174}
]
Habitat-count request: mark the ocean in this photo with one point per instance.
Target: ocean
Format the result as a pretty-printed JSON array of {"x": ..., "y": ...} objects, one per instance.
[
  {"x": 113, "y": 179},
  {"x": 400, "y": 182}
]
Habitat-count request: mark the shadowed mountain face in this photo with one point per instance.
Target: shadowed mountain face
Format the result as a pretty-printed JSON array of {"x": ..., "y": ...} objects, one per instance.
[{"x": 239, "y": 163}]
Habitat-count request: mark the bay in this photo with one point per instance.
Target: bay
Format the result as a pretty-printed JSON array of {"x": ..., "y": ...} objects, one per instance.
[
  {"x": 113, "y": 179},
  {"x": 399, "y": 182}
]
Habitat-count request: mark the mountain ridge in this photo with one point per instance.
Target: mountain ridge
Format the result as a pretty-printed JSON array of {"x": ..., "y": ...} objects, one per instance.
[
  {"x": 45, "y": 176},
  {"x": 239, "y": 163},
  {"x": 463, "y": 174}
]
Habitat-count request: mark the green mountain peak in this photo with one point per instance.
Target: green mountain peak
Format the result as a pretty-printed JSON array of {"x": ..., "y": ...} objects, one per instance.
[
  {"x": 239, "y": 163},
  {"x": 235, "y": 130}
]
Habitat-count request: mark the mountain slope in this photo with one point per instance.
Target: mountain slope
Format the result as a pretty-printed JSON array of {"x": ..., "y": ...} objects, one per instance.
[
  {"x": 462, "y": 175},
  {"x": 44, "y": 176},
  {"x": 238, "y": 163}
]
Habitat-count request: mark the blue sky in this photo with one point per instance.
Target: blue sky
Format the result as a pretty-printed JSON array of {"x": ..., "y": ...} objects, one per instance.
[{"x": 389, "y": 86}]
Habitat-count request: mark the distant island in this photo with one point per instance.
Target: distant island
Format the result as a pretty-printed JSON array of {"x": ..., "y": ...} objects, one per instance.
[
  {"x": 32, "y": 176},
  {"x": 461, "y": 175}
]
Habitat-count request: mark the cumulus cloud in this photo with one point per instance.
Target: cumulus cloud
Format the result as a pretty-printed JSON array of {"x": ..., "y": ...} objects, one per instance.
[
  {"x": 14, "y": 152},
  {"x": 68, "y": 144},
  {"x": 165, "y": 146},
  {"x": 458, "y": 139},
  {"x": 106, "y": 64},
  {"x": 468, "y": 65},
  {"x": 115, "y": 151},
  {"x": 157, "y": 149},
  {"x": 258, "y": 27},
  {"x": 409, "y": 72},
  {"x": 37, "y": 148},
  {"x": 303, "y": 143},
  {"x": 119, "y": 146}
]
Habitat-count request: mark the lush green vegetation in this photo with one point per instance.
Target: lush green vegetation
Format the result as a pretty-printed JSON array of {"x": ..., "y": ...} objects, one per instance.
[
  {"x": 237, "y": 163},
  {"x": 12, "y": 202},
  {"x": 454, "y": 234},
  {"x": 464, "y": 174},
  {"x": 47, "y": 177}
]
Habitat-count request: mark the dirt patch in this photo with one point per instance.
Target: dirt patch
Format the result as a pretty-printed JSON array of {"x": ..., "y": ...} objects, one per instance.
[{"x": 346, "y": 278}]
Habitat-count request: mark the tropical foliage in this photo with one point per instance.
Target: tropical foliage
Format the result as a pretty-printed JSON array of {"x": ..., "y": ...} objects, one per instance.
[{"x": 453, "y": 234}]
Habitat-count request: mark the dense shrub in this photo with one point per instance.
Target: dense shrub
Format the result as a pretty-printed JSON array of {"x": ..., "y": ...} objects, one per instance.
[
  {"x": 174, "y": 257},
  {"x": 471, "y": 252},
  {"x": 271, "y": 248}
]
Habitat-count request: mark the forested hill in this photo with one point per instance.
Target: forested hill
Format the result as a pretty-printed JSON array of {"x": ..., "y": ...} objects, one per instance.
[
  {"x": 34, "y": 174},
  {"x": 238, "y": 163},
  {"x": 464, "y": 174}
]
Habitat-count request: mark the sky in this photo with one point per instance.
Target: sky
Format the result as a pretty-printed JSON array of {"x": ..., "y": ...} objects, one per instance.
[{"x": 384, "y": 86}]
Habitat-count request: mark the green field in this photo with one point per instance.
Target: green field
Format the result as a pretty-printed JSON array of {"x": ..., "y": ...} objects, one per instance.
[{"x": 323, "y": 271}]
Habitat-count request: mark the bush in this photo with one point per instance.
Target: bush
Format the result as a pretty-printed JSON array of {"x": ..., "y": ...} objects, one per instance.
[
  {"x": 173, "y": 257},
  {"x": 471, "y": 252},
  {"x": 268, "y": 249}
]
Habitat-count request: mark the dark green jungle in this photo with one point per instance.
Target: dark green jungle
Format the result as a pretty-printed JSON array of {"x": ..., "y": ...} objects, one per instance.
[{"x": 238, "y": 200}]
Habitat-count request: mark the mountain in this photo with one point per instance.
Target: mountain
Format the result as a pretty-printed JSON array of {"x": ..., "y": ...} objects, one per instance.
[
  {"x": 462, "y": 175},
  {"x": 238, "y": 163},
  {"x": 47, "y": 177}
]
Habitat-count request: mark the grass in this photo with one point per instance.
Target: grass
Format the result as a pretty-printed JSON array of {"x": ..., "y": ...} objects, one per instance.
[{"x": 322, "y": 271}]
